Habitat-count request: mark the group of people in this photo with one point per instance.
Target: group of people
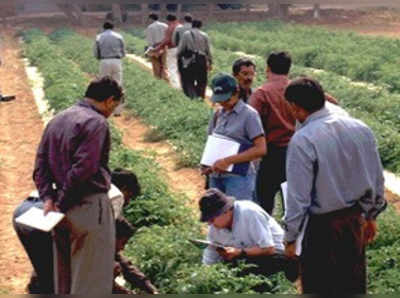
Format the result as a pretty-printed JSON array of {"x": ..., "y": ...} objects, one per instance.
[
  {"x": 289, "y": 131},
  {"x": 295, "y": 132},
  {"x": 179, "y": 53}
]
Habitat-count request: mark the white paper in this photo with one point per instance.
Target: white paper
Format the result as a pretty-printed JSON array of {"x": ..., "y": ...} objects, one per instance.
[
  {"x": 117, "y": 200},
  {"x": 300, "y": 238},
  {"x": 218, "y": 147},
  {"x": 35, "y": 218}
]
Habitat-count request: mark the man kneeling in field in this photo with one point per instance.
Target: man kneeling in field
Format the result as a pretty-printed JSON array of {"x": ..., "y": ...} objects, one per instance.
[
  {"x": 39, "y": 245},
  {"x": 247, "y": 232}
]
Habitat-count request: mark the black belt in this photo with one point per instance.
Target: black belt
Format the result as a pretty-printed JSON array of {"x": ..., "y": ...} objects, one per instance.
[{"x": 116, "y": 57}]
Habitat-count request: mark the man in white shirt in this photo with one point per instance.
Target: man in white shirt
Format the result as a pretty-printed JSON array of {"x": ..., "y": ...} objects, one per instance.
[
  {"x": 155, "y": 33},
  {"x": 247, "y": 232}
]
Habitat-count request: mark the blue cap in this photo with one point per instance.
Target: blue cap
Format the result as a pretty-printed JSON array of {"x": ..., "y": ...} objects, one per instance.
[{"x": 223, "y": 86}]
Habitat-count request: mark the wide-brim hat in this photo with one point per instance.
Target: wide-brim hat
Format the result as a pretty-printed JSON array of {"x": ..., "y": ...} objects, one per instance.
[{"x": 214, "y": 203}]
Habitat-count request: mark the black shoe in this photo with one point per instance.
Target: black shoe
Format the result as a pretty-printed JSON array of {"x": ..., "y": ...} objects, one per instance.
[
  {"x": 292, "y": 270},
  {"x": 7, "y": 98}
]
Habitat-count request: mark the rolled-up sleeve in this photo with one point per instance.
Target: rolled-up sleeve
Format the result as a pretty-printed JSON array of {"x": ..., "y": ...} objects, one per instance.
[
  {"x": 300, "y": 164},
  {"x": 210, "y": 255},
  {"x": 254, "y": 126}
]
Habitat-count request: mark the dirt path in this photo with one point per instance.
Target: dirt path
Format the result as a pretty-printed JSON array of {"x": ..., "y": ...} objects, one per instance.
[{"x": 20, "y": 131}]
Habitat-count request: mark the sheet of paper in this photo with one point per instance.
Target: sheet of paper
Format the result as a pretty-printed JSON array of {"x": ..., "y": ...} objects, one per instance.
[
  {"x": 206, "y": 243},
  {"x": 35, "y": 218},
  {"x": 218, "y": 147},
  {"x": 300, "y": 238}
]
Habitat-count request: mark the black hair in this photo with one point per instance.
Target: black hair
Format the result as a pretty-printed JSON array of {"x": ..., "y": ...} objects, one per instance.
[
  {"x": 188, "y": 18},
  {"x": 102, "y": 88},
  {"x": 153, "y": 16},
  {"x": 125, "y": 179},
  {"x": 108, "y": 25},
  {"x": 306, "y": 93},
  {"x": 197, "y": 24},
  {"x": 241, "y": 62},
  {"x": 123, "y": 228},
  {"x": 279, "y": 62},
  {"x": 171, "y": 17}
]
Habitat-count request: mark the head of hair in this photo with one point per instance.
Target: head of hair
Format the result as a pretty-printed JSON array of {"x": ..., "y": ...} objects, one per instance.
[
  {"x": 279, "y": 62},
  {"x": 102, "y": 88},
  {"x": 153, "y": 16},
  {"x": 125, "y": 179},
  {"x": 188, "y": 18},
  {"x": 108, "y": 25},
  {"x": 123, "y": 228},
  {"x": 197, "y": 24},
  {"x": 171, "y": 18},
  {"x": 241, "y": 62},
  {"x": 306, "y": 93}
]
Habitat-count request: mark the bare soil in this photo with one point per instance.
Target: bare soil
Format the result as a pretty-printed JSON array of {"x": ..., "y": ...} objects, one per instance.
[{"x": 21, "y": 128}]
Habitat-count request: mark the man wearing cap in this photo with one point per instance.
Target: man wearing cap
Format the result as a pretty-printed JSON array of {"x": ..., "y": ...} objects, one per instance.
[
  {"x": 246, "y": 231},
  {"x": 335, "y": 181},
  {"x": 241, "y": 123}
]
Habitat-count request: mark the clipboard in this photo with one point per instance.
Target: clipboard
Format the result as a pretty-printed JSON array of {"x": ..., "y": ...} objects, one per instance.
[
  {"x": 204, "y": 243},
  {"x": 35, "y": 218}
]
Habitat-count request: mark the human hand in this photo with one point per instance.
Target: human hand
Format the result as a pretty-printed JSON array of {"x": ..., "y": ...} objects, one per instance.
[
  {"x": 49, "y": 206},
  {"x": 290, "y": 250},
  {"x": 369, "y": 229},
  {"x": 220, "y": 165},
  {"x": 229, "y": 253}
]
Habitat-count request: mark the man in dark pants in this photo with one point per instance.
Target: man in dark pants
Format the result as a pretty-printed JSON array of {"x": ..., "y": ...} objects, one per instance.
[
  {"x": 195, "y": 60},
  {"x": 279, "y": 125},
  {"x": 335, "y": 181}
]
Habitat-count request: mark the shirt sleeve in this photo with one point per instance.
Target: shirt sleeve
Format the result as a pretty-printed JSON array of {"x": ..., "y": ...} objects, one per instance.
[
  {"x": 208, "y": 50},
  {"x": 42, "y": 174},
  {"x": 210, "y": 255},
  {"x": 254, "y": 126},
  {"x": 258, "y": 101},
  {"x": 96, "y": 50},
  {"x": 300, "y": 165},
  {"x": 260, "y": 230},
  {"x": 86, "y": 159}
]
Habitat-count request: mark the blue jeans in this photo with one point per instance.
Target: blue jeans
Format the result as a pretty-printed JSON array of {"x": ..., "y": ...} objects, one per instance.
[{"x": 240, "y": 187}]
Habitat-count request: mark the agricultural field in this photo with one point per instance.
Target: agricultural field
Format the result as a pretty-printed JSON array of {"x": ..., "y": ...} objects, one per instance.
[{"x": 360, "y": 71}]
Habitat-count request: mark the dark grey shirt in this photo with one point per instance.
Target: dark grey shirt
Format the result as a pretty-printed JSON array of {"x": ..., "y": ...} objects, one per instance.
[
  {"x": 109, "y": 44},
  {"x": 197, "y": 41},
  {"x": 73, "y": 156}
]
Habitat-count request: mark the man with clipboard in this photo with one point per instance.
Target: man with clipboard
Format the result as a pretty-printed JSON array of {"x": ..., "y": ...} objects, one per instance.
[{"x": 239, "y": 123}]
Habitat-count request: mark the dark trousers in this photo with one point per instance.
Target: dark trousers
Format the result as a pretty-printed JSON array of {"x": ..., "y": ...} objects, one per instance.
[
  {"x": 39, "y": 247},
  {"x": 194, "y": 77},
  {"x": 270, "y": 175},
  {"x": 333, "y": 258}
]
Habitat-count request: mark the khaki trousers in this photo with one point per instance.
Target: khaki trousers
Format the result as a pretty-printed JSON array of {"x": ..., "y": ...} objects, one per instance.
[
  {"x": 85, "y": 248},
  {"x": 159, "y": 66}
]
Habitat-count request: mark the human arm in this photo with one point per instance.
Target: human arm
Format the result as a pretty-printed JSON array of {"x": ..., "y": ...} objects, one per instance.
[
  {"x": 167, "y": 38},
  {"x": 208, "y": 54},
  {"x": 96, "y": 49},
  {"x": 230, "y": 253},
  {"x": 123, "y": 52}
]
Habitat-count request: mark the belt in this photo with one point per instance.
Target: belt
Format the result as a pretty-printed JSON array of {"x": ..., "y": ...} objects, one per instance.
[
  {"x": 345, "y": 212},
  {"x": 115, "y": 57}
]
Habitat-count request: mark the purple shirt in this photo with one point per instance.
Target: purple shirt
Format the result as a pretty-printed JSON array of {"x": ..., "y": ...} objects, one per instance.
[{"x": 73, "y": 156}]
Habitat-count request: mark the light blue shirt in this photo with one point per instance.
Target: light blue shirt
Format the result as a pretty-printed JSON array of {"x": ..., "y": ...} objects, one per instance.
[
  {"x": 251, "y": 226},
  {"x": 109, "y": 44},
  {"x": 332, "y": 162}
]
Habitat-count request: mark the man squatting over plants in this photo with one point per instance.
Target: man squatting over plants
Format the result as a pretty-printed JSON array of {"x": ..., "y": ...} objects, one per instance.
[{"x": 39, "y": 245}]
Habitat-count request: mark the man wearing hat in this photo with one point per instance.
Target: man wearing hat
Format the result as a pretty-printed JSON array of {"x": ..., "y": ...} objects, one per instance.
[
  {"x": 237, "y": 121},
  {"x": 247, "y": 232}
]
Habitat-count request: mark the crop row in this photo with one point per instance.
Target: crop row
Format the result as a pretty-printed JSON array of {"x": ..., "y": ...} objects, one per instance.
[
  {"x": 160, "y": 246},
  {"x": 383, "y": 255}
]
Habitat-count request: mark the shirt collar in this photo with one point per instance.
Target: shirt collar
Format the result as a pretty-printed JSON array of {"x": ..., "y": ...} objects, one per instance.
[
  {"x": 273, "y": 77},
  {"x": 316, "y": 115},
  {"x": 240, "y": 105},
  {"x": 85, "y": 104}
]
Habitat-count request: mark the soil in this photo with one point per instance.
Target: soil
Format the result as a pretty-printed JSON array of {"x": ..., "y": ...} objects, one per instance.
[{"x": 21, "y": 128}]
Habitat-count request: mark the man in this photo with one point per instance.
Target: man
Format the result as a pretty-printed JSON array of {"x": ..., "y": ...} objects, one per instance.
[
  {"x": 279, "y": 124},
  {"x": 109, "y": 48},
  {"x": 195, "y": 58},
  {"x": 72, "y": 175},
  {"x": 241, "y": 123},
  {"x": 246, "y": 232},
  {"x": 182, "y": 28},
  {"x": 167, "y": 43},
  {"x": 335, "y": 179},
  {"x": 155, "y": 33},
  {"x": 244, "y": 70}
]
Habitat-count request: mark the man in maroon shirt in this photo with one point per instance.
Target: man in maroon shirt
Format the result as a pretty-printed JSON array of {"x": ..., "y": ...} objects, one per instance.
[
  {"x": 72, "y": 176},
  {"x": 279, "y": 125}
]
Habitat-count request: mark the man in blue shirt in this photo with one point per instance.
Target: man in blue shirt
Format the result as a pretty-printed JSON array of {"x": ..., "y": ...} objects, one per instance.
[{"x": 335, "y": 181}]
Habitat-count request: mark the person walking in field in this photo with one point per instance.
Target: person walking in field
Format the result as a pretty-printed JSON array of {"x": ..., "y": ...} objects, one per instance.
[
  {"x": 195, "y": 60},
  {"x": 168, "y": 44},
  {"x": 72, "y": 176},
  {"x": 155, "y": 33},
  {"x": 279, "y": 125},
  {"x": 242, "y": 124},
  {"x": 335, "y": 191},
  {"x": 109, "y": 48}
]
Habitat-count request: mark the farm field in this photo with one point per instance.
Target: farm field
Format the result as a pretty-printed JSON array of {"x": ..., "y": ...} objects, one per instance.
[{"x": 163, "y": 217}]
